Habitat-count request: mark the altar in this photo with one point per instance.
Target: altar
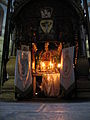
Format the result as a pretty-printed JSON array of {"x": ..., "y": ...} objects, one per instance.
[
  {"x": 50, "y": 84},
  {"x": 46, "y": 63}
]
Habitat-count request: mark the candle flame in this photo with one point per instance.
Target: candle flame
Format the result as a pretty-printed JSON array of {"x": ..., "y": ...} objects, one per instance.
[
  {"x": 43, "y": 64},
  {"x": 51, "y": 64},
  {"x": 59, "y": 65}
]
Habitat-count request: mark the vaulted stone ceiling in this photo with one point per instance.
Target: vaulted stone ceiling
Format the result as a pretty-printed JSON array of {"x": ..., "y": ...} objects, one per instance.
[{"x": 75, "y": 3}]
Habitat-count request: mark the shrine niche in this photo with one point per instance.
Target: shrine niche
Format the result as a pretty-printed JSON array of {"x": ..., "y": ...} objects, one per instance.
[
  {"x": 47, "y": 29},
  {"x": 48, "y": 59}
]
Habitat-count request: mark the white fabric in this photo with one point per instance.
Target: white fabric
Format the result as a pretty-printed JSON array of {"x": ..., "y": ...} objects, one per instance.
[
  {"x": 23, "y": 77},
  {"x": 67, "y": 71},
  {"x": 51, "y": 84}
]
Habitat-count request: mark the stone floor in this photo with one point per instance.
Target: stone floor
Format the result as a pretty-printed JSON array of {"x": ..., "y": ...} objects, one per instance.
[{"x": 44, "y": 111}]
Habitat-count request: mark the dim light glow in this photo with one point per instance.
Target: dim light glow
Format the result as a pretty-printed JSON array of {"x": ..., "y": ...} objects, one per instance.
[
  {"x": 36, "y": 93},
  {"x": 59, "y": 65},
  {"x": 51, "y": 64},
  {"x": 48, "y": 77},
  {"x": 43, "y": 64},
  {"x": 29, "y": 64},
  {"x": 33, "y": 65}
]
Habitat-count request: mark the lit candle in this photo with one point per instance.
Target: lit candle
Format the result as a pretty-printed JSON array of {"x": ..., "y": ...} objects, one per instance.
[
  {"x": 51, "y": 64},
  {"x": 42, "y": 66}
]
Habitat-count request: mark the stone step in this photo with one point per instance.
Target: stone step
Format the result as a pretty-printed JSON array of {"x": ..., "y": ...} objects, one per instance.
[
  {"x": 8, "y": 85},
  {"x": 83, "y": 87},
  {"x": 84, "y": 84},
  {"x": 83, "y": 94},
  {"x": 83, "y": 90},
  {"x": 8, "y": 90},
  {"x": 82, "y": 78}
]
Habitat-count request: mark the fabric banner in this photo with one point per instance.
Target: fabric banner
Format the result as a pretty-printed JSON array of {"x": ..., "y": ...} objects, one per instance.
[
  {"x": 51, "y": 84},
  {"x": 67, "y": 71},
  {"x": 23, "y": 77}
]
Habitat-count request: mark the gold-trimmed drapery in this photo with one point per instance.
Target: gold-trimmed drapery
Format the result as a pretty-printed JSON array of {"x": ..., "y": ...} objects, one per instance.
[
  {"x": 67, "y": 76},
  {"x": 23, "y": 77}
]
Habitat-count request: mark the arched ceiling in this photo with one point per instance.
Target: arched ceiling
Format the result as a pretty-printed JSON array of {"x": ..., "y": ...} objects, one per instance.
[{"x": 21, "y": 3}]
